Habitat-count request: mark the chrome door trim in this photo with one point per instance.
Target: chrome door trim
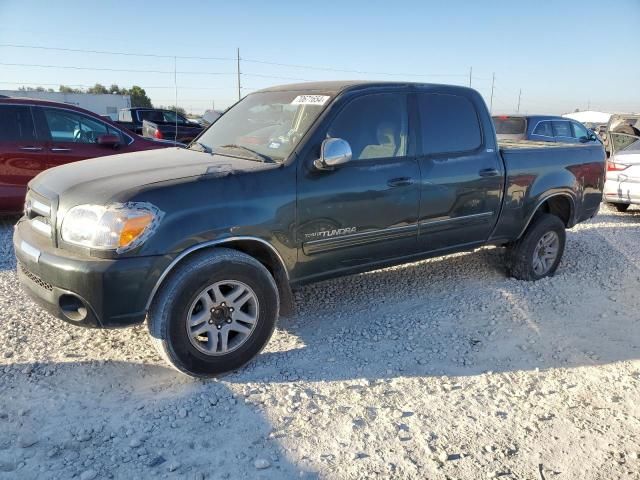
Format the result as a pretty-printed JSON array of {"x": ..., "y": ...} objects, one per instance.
[
  {"x": 441, "y": 221},
  {"x": 355, "y": 239}
]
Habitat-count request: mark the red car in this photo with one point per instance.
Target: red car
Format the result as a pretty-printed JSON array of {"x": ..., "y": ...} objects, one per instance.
[{"x": 36, "y": 135}]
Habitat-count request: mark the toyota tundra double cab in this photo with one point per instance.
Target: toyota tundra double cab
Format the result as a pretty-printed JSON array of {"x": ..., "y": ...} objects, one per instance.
[{"x": 294, "y": 184}]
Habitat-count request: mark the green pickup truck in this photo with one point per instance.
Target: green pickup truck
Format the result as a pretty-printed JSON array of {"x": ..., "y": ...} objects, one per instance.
[{"x": 292, "y": 185}]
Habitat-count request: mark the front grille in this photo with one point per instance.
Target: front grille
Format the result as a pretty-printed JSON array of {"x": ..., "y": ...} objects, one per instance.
[
  {"x": 34, "y": 278},
  {"x": 40, "y": 212}
]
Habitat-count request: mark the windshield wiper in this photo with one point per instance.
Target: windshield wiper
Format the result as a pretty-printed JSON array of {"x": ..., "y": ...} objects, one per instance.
[
  {"x": 258, "y": 155},
  {"x": 201, "y": 147}
]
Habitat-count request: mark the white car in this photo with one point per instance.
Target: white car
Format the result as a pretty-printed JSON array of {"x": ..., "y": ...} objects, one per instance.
[{"x": 622, "y": 187}]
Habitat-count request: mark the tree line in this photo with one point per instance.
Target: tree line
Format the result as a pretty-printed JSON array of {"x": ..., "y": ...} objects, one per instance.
[{"x": 139, "y": 97}]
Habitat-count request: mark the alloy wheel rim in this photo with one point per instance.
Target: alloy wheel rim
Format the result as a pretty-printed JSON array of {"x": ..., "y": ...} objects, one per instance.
[
  {"x": 546, "y": 252},
  {"x": 222, "y": 317}
]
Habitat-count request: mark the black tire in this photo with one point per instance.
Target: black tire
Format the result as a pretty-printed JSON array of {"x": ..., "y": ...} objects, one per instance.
[
  {"x": 621, "y": 207},
  {"x": 167, "y": 315},
  {"x": 520, "y": 254}
]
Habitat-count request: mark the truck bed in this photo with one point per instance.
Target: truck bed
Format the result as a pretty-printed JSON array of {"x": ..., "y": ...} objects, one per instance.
[
  {"x": 532, "y": 144},
  {"x": 535, "y": 169}
]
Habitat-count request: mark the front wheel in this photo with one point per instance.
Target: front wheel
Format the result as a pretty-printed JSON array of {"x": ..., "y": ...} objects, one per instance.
[
  {"x": 538, "y": 252},
  {"x": 214, "y": 313}
]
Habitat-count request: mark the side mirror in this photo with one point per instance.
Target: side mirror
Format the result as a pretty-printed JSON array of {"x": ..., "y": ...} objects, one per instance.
[
  {"x": 334, "y": 152},
  {"x": 108, "y": 140},
  {"x": 592, "y": 137}
]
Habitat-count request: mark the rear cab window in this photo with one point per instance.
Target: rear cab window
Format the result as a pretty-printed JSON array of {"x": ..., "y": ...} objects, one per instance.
[
  {"x": 506, "y": 125},
  {"x": 449, "y": 123},
  {"x": 16, "y": 124}
]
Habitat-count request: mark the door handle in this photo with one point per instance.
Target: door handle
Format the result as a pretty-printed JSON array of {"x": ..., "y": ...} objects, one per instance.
[
  {"x": 60, "y": 149},
  {"x": 400, "y": 182},
  {"x": 31, "y": 149},
  {"x": 489, "y": 172}
]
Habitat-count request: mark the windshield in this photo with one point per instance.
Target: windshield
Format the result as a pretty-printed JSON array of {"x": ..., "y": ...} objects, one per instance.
[{"x": 269, "y": 124}]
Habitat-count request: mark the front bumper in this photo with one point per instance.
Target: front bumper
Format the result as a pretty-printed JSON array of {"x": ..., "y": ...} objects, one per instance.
[
  {"x": 622, "y": 190},
  {"x": 85, "y": 291}
]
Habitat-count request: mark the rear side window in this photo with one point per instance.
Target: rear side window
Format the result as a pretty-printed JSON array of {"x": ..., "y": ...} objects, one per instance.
[
  {"x": 16, "y": 124},
  {"x": 544, "y": 129},
  {"x": 509, "y": 125},
  {"x": 449, "y": 123},
  {"x": 562, "y": 129}
]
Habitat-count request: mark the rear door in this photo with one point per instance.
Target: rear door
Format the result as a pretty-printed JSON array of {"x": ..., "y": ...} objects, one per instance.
[
  {"x": 72, "y": 136},
  {"x": 22, "y": 155},
  {"x": 462, "y": 176}
]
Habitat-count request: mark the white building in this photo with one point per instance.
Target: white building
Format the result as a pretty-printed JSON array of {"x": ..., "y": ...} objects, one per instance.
[{"x": 102, "y": 104}]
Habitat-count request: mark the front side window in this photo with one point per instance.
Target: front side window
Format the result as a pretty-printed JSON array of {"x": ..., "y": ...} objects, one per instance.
[
  {"x": 579, "y": 131},
  {"x": 16, "y": 124},
  {"x": 374, "y": 125},
  {"x": 562, "y": 129},
  {"x": 68, "y": 126},
  {"x": 449, "y": 123},
  {"x": 263, "y": 126},
  {"x": 544, "y": 129}
]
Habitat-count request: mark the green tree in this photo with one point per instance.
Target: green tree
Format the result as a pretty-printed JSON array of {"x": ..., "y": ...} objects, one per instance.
[
  {"x": 139, "y": 97},
  {"x": 98, "y": 88},
  {"x": 66, "y": 89}
]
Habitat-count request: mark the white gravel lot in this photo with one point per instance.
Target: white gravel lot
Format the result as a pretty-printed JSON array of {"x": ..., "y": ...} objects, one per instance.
[{"x": 442, "y": 369}]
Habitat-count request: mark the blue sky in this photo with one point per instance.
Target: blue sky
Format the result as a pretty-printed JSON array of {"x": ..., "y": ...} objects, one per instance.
[{"x": 563, "y": 55}]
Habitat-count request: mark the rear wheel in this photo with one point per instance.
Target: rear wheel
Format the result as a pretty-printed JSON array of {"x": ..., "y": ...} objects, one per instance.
[
  {"x": 621, "y": 207},
  {"x": 214, "y": 313},
  {"x": 538, "y": 252}
]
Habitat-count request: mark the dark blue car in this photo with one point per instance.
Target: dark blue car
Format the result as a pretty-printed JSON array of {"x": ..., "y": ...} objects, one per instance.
[{"x": 542, "y": 128}]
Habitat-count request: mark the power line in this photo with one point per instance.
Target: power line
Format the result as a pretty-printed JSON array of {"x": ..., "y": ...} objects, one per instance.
[
  {"x": 100, "y": 69},
  {"x": 263, "y": 62},
  {"x": 107, "y": 52}
]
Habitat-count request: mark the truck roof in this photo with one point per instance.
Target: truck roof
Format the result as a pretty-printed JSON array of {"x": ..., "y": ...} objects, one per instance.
[{"x": 337, "y": 86}]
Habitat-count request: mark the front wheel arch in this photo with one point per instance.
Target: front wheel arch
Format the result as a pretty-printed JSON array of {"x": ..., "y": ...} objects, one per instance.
[{"x": 261, "y": 250}]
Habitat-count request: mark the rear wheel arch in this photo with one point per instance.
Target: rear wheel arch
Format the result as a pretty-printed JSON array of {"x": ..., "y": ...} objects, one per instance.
[
  {"x": 256, "y": 248},
  {"x": 561, "y": 205}
]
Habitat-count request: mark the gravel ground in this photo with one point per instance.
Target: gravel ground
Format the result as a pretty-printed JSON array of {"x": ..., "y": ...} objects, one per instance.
[{"x": 442, "y": 369}]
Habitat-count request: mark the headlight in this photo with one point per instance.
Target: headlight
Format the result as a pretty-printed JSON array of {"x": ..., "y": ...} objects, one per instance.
[{"x": 116, "y": 227}]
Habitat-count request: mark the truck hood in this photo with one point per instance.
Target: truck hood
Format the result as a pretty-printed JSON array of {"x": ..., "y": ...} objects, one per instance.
[{"x": 106, "y": 177}]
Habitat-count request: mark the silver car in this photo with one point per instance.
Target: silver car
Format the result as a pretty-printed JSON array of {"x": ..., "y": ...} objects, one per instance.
[{"x": 622, "y": 187}]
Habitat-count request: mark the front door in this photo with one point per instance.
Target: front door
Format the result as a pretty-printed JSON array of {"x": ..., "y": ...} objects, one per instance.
[
  {"x": 462, "y": 173},
  {"x": 364, "y": 211},
  {"x": 72, "y": 135}
]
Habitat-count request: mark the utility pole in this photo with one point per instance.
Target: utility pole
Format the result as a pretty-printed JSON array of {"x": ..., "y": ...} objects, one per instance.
[
  {"x": 493, "y": 84},
  {"x": 470, "y": 75},
  {"x": 175, "y": 84},
  {"x": 519, "y": 96},
  {"x": 239, "y": 86}
]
